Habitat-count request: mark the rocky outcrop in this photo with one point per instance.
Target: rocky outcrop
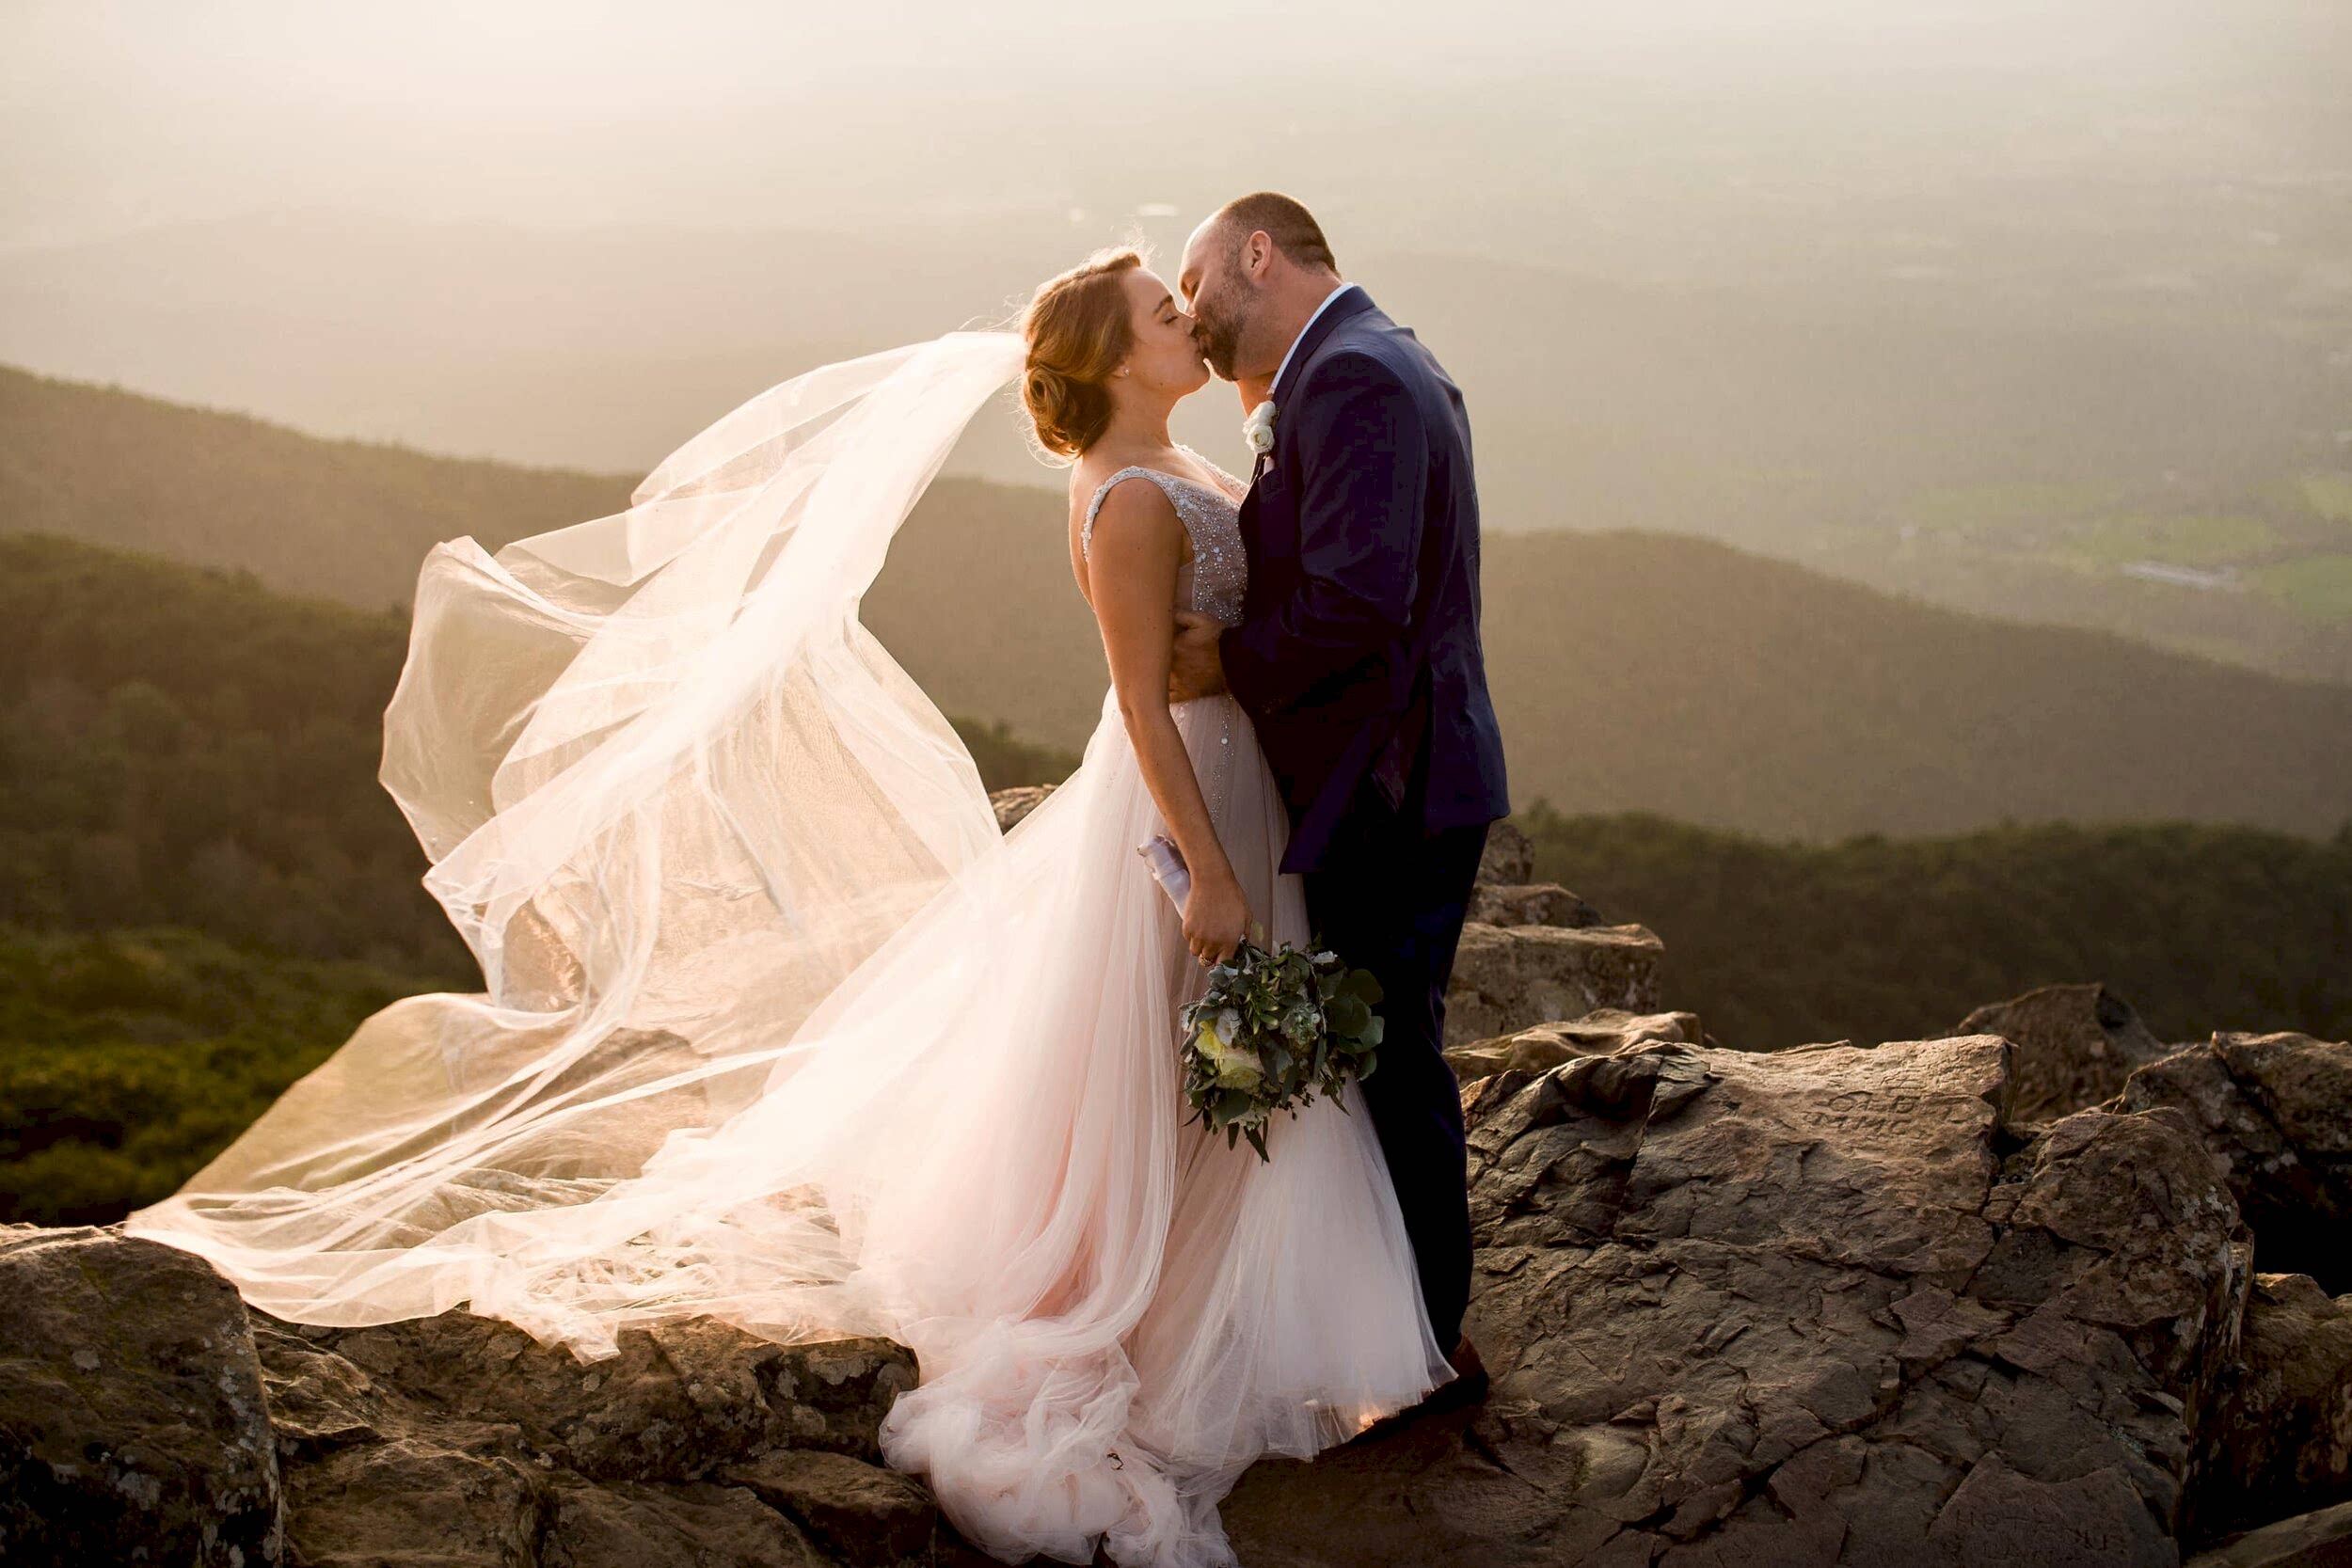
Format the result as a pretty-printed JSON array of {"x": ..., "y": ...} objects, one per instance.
[
  {"x": 1548, "y": 1045},
  {"x": 1824, "y": 1305},
  {"x": 1909, "y": 1304},
  {"x": 148, "y": 1417},
  {"x": 132, "y": 1421},
  {"x": 1812, "y": 1308},
  {"x": 2276, "y": 1112},
  {"x": 2075, "y": 1046},
  {"x": 1533, "y": 953}
]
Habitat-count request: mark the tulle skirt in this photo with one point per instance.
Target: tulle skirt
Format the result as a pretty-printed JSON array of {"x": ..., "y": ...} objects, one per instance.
[{"x": 975, "y": 1144}]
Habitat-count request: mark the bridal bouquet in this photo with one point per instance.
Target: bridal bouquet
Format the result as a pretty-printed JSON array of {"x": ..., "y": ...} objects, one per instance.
[{"x": 1273, "y": 1030}]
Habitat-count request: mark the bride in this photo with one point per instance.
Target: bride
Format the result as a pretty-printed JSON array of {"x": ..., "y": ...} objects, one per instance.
[{"x": 778, "y": 1028}]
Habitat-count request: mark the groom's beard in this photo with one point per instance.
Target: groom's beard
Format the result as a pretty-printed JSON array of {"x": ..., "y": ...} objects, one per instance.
[{"x": 1220, "y": 342}]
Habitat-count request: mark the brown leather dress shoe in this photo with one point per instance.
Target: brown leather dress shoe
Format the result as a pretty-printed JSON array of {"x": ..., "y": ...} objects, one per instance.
[{"x": 1471, "y": 1381}]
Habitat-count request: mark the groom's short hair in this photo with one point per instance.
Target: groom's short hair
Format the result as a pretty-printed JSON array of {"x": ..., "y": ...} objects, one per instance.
[{"x": 1290, "y": 225}]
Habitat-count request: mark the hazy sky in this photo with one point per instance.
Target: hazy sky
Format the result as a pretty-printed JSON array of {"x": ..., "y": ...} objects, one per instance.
[
  {"x": 1434, "y": 121},
  {"x": 1794, "y": 273}
]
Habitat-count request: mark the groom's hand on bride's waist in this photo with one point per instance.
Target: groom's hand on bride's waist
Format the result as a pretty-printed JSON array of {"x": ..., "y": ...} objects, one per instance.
[{"x": 1196, "y": 669}]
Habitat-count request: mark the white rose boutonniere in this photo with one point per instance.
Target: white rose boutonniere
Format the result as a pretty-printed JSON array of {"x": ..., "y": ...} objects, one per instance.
[{"x": 1258, "y": 429}]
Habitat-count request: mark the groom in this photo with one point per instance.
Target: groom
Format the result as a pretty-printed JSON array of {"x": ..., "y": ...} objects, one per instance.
[{"x": 1358, "y": 659}]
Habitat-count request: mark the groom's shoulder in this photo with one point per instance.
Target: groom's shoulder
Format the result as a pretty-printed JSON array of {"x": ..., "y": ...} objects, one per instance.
[
  {"x": 1367, "y": 350},
  {"x": 1365, "y": 345}
]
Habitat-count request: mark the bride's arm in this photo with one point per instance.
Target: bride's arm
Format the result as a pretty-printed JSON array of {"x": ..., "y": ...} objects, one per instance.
[{"x": 1131, "y": 577}]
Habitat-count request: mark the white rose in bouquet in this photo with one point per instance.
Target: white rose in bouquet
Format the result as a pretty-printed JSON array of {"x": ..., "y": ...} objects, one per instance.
[{"x": 1236, "y": 1066}]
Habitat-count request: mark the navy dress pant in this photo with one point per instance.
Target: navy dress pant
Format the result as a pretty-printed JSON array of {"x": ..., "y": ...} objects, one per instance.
[{"x": 1391, "y": 900}]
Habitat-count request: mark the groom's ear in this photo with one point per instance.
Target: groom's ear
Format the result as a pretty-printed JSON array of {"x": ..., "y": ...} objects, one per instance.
[{"x": 1257, "y": 255}]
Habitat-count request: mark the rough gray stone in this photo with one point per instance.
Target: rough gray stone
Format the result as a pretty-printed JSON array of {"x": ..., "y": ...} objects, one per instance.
[
  {"x": 1507, "y": 978},
  {"x": 1809, "y": 1307},
  {"x": 471, "y": 1439},
  {"x": 2320, "y": 1539},
  {"x": 697, "y": 1525},
  {"x": 2075, "y": 1046},
  {"x": 2280, "y": 1441},
  {"x": 2276, "y": 1110},
  {"x": 1531, "y": 904},
  {"x": 417, "y": 1504},
  {"x": 678, "y": 1401},
  {"x": 1011, "y": 805},
  {"x": 1547, "y": 1045},
  {"x": 862, "y": 1514},
  {"x": 132, "y": 1419},
  {"x": 1509, "y": 858}
]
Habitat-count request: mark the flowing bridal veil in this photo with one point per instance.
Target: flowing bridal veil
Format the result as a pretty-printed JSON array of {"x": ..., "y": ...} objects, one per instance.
[{"x": 673, "y": 794}]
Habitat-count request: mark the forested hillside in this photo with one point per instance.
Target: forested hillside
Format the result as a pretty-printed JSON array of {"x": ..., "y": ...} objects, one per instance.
[{"x": 1877, "y": 939}]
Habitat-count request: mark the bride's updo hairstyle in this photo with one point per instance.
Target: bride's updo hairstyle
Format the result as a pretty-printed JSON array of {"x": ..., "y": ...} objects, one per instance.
[{"x": 1078, "y": 330}]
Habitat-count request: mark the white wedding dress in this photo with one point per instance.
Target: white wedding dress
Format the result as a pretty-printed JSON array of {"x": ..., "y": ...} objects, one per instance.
[{"x": 779, "y": 1029}]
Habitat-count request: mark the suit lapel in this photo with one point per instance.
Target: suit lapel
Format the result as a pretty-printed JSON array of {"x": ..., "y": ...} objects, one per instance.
[{"x": 1356, "y": 302}]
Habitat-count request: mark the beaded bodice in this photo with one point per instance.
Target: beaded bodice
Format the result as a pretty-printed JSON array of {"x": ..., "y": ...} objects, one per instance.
[{"x": 1213, "y": 580}]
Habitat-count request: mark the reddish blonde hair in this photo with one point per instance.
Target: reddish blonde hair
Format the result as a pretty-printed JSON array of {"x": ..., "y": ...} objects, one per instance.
[{"x": 1078, "y": 329}]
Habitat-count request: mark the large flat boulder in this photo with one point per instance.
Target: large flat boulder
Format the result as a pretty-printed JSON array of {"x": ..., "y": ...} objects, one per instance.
[
  {"x": 1507, "y": 978},
  {"x": 132, "y": 1425}
]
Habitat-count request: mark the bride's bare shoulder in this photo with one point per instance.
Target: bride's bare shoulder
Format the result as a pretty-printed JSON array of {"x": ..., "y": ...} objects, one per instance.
[
  {"x": 1126, "y": 533},
  {"x": 1135, "y": 514}
]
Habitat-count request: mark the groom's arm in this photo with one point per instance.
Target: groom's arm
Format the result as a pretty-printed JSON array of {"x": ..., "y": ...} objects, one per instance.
[{"x": 1364, "y": 467}]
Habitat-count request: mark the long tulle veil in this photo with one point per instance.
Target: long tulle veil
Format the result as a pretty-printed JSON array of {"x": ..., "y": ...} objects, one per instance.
[{"x": 674, "y": 794}]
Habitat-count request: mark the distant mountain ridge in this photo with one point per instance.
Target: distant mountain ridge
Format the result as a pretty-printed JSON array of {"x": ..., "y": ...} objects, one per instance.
[
  {"x": 1997, "y": 430},
  {"x": 1633, "y": 672}
]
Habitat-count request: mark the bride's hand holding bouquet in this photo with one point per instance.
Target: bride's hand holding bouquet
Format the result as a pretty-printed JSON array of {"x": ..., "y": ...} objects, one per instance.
[
  {"x": 1216, "y": 914},
  {"x": 1273, "y": 1029}
]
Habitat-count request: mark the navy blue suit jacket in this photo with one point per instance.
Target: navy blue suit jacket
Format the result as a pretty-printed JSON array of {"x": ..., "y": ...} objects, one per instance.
[{"x": 1357, "y": 652}]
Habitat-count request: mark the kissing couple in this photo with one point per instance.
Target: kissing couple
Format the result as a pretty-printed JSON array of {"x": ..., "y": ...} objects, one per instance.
[{"x": 779, "y": 1029}]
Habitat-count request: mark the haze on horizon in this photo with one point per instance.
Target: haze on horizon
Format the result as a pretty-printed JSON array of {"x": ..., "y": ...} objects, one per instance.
[
  {"x": 1574, "y": 134},
  {"x": 1984, "y": 301}
]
